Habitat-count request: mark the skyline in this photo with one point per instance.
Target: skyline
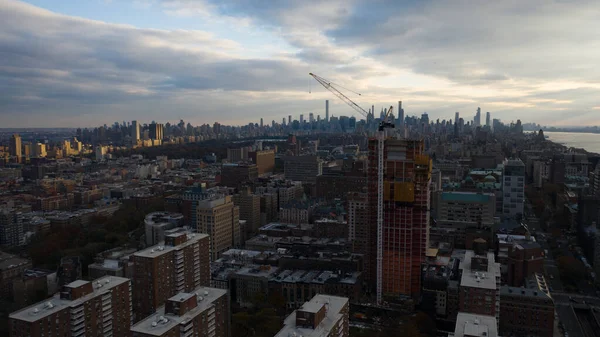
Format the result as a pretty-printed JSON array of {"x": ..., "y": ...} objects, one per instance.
[{"x": 80, "y": 64}]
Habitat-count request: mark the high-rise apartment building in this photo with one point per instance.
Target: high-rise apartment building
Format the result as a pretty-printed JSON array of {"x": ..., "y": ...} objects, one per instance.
[
  {"x": 406, "y": 202},
  {"x": 488, "y": 119},
  {"x": 201, "y": 312},
  {"x": 156, "y": 131},
  {"x": 249, "y": 206},
  {"x": 513, "y": 188},
  {"x": 180, "y": 264},
  {"x": 327, "y": 111},
  {"x": 477, "y": 119},
  {"x": 82, "y": 308},
  {"x": 323, "y": 316},
  {"x": 219, "y": 217},
  {"x": 15, "y": 147},
  {"x": 11, "y": 228},
  {"x": 235, "y": 175},
  {"x": 135, "y": 131}
]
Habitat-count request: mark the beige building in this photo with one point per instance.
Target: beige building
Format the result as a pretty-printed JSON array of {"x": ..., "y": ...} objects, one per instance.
[
  {"x": 249, "y": 205},
  {"x": 220, "y": 219}
]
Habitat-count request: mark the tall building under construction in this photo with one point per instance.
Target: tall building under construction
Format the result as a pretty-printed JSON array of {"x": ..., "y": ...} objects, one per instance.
[{"x": 407, "y": 173}]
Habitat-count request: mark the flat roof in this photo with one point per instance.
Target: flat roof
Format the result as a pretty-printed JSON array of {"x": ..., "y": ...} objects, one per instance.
[
  {"x": 55, "y": 304},
  {"x": 466, "y": 196},
  {"x": 160, "y": 249},
  {"x": 332, "y": 317},
  {"x": 475, "y": 325},
  {"x": 165, "y": 322},
  {"x": 477, "y": 279}
]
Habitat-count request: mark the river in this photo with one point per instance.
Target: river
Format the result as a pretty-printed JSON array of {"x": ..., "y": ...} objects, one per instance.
[{"x": 587, "y": 141}]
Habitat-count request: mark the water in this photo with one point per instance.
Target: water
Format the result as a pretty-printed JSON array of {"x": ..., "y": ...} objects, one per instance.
[{"x": 587, "y": 141}]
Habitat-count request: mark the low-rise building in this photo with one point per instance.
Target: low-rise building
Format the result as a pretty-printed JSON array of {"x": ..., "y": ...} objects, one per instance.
[{"x": 471, "y": 325}]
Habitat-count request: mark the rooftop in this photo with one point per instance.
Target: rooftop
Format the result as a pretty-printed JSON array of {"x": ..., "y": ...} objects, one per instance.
[
  {"x": 477, "y": 279},
  {"x": 335, "y": 305},
  {"x": 9, "y": 261},
  {"x": 475, "y": 325},
  {"x": 55, "y": 304},
  {"x": 466, "y": 197},
  {"x": 161, "y": 249},
  {"x": 159, "y": 323}
]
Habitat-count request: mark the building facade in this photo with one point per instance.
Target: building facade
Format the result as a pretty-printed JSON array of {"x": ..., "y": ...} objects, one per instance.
[
  {"x": 220, "y": 219},
  {"x": 181, "y": 264}
]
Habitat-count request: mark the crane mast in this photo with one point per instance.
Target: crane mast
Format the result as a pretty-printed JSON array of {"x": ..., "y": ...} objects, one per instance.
[{"x": 384, "y": 124}]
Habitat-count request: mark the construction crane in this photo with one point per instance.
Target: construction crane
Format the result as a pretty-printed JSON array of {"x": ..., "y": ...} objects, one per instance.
[{"x": 383, "y": 124}]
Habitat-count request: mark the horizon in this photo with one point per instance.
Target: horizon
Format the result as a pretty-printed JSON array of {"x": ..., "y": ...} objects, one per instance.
[{"x": 74, "y": 63}]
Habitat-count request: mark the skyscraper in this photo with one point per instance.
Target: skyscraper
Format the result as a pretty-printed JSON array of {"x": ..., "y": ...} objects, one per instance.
[
  {"x": 488, "y": 119},
  {"x": 301, "y": 119},
  {"x": 261, "y": 122},
  {"x": 311, "y": 118},
  {"x": 290, "y": 119},
  {"x": 218, "y": 217},
  {"x": 400, "y": 114},
  {"x": 407, "y": 173},
  {"x": 477, "y": 120},
  {"x": 156, "y": 131},
  {"x": 327, "y": 110},
  {"x": 135, "y": 131},
  {"x": 15, "y": 147}
]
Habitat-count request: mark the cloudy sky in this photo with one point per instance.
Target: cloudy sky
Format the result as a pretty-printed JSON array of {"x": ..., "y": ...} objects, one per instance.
[{"x": 89, "y": 62}]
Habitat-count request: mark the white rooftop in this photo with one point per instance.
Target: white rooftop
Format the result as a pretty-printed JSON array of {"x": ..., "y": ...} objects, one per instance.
[
  {"x": 55, "y": 304},
  {"x": 161, "y": 249},
  {"x": 159, "y": 323},
  {"x": 479, "y": 279},
  {"x": 475, "y": 325},
  {"x": 333, "y": 316}
]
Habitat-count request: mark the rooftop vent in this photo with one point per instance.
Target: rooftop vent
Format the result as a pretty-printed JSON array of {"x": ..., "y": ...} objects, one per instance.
[{"x": 154, "y": 324}]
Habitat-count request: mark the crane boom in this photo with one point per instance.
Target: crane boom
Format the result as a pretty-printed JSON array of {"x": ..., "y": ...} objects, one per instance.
[{"x": 329, "y": 86}]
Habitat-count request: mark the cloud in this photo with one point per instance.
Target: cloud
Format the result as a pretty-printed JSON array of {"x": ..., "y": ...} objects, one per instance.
[{"x": 533, "y": 60}]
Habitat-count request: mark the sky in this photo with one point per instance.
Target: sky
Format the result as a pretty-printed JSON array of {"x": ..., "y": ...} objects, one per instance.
[{"x": 83, "y": 63}]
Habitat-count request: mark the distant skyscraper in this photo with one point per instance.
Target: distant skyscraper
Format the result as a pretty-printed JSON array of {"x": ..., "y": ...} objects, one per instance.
[
  {"x": 311, "y": 118},
  {"x": 283, "y": 121},
  {"x": 400, "y": 114},
  {"x": 301, "y": 119},
  {"x": 261, "y": 122},
  {"x": 290, "y": 119},
  {"x": 135, "y": 130},
  {"x": 488, "y": 119},
  {"x": 15, "y": 147},
  {"x": 327, "y": 110},
  {"x": 156, "y": 131},
  {"x": 477, "y": 120}
]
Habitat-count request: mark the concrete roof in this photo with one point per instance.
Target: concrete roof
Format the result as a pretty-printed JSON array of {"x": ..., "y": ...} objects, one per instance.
[
  {"x": 476, "y": 279},
  {"x": 146, "y": 326},
  {"x": 475, "y": 325},
  {"x": 161, "y": 249},
  {"x": 333, "y": 316},
  {"x": 55, "y": 304}
]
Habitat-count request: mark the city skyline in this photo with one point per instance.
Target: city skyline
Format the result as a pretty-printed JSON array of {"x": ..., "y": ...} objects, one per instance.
[{"x": 203, "y": 61}]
